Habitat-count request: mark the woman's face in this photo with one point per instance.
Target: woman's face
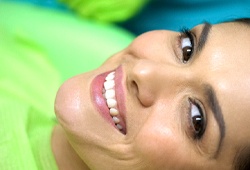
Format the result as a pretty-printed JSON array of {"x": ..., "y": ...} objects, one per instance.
[{"x": 183, "y": 102}]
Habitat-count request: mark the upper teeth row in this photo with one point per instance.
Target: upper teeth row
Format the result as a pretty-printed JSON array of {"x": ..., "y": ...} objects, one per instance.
[{"x": 109, "y": 95}]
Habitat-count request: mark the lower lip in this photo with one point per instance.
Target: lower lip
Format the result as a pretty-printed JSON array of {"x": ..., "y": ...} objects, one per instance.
[{"x": 98, "y": 99}]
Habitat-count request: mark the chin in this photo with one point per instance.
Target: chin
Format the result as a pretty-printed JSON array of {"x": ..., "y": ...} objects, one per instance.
[{"x": 86, "y": 129}]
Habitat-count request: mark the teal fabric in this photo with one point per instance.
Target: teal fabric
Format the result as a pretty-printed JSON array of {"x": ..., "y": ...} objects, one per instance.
[
  {"x": 175, "y": 14},
  {"x": 102, "y": 10},
  {"x": 45, "y": 3}
]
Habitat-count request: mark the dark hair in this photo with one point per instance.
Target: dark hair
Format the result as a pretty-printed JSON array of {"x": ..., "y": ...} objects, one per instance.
[
  {"x": 242, "y": 157},
  {"x": 243, "y": 21}
]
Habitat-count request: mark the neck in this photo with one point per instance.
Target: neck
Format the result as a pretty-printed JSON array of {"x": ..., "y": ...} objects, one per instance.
[{"x": 65, "y": 156}]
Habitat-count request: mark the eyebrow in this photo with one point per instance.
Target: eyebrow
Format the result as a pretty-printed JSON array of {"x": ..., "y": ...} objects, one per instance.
[
  {"x": 210, "y": 93},
  {"x": 216, "y": 110},
  {"x": 203, "y": 36}
]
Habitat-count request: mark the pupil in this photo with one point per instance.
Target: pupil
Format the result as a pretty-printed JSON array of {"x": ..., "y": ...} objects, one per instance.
[
  {"x": 187, "y": 51},
  {"x": 197, "y": 122}
]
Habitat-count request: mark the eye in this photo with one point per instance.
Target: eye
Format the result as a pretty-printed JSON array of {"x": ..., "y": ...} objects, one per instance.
[
  {"x": 197, "y": 119},
  {"x": 187, "y": 45}
]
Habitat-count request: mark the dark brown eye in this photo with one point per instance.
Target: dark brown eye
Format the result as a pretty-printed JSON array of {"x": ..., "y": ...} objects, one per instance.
[
  {"x": 187, "y": 48},
  {"x": 197, "y": 123},
  {"x": 198, "y": 120}
]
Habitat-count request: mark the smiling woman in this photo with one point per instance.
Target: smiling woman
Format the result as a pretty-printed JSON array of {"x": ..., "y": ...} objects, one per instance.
[
  {"x": 169, "y": 100},
  {"x": 168, "y": 93}
]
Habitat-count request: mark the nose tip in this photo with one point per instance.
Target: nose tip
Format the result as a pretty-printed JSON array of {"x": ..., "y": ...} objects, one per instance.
[{"x": 153, "y": 80}]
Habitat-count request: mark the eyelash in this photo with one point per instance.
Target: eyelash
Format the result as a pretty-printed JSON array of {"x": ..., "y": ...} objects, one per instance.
[
  {"x": 194, "y": 122},
  {"x": 186, "y": 33},
  {"x": 191, "y": 129}
]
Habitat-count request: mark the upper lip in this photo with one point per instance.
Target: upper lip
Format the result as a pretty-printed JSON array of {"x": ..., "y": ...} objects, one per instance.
[{"x": 120, "y": 96}]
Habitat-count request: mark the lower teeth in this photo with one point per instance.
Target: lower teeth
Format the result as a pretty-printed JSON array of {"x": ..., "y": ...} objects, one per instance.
[{"x": 119, "y": 127}]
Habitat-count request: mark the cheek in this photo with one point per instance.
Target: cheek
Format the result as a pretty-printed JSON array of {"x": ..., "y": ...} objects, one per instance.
[{"x": 159, "y": 145}]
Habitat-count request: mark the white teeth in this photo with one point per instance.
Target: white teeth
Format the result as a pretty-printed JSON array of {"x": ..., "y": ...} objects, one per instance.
[
  {"x": 119, "y": 127},
  {"x": 110, "y": 94},
  {"x": 110, "y": 76},
  {"x": 111, "y": 103},
  {"x": 113, "y": 112},
  {"x": 116, "y": 119},
  {"x": 109, "y": 84}
]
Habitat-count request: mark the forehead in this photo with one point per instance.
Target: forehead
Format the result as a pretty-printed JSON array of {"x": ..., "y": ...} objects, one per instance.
[
  {"x": 226, "y": 61},
  {"x": 229, "y": 43},
  {"x": 226, "y": 55}
]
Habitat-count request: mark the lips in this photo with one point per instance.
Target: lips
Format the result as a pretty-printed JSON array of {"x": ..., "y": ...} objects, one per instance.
[{"x": 108, "y": 97}]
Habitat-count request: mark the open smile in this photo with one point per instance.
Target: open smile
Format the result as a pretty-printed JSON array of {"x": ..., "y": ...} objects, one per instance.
[{"x": 108, "y": 97}]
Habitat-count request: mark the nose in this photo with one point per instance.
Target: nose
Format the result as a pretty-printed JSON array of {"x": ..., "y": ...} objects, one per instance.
[{"x": 153, "y": 80}]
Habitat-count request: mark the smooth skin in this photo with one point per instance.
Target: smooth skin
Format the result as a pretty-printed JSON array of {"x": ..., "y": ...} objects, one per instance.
[{"x": 160, "y": 88}]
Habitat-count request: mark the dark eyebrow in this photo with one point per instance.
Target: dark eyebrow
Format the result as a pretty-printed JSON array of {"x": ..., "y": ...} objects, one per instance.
[
  {"x": 203, "y": 36},
  {"x": 216, "y": 110}
]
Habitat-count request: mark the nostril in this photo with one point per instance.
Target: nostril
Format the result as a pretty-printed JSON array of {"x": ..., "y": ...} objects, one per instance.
[
  {"x": 142, "y": 96},
  {"x": 142, "y": 81},
  {"x": 135, "y": 88}
]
